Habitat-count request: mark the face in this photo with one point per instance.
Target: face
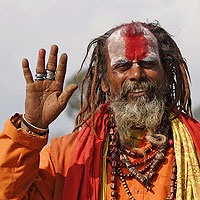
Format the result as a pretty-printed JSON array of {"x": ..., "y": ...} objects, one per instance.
[{"x": 132, "y": 57}]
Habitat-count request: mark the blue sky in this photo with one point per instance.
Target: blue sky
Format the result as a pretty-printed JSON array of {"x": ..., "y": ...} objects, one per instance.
[{"x": 27, "y": 26}]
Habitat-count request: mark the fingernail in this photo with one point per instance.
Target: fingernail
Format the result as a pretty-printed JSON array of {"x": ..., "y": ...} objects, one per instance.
[
  {"x": 64, "y": 54},
  {"x": 42, "y": 52}
]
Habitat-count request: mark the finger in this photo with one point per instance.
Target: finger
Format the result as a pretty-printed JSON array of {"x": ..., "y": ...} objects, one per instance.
[
  {"x": 60, "y": 72},
  {"x": 52, "y": 61},
  {"x": 27, "y": 72},
  {"x": 40, "y": 67},
  {"x": 66, "y": 94}
]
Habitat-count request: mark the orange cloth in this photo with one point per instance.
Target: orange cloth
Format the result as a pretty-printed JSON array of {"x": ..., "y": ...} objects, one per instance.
[{"x": 20, "y": 176}]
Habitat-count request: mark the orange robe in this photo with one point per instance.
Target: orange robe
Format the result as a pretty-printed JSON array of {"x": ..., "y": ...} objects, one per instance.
[{"x": 28, "y": 170}]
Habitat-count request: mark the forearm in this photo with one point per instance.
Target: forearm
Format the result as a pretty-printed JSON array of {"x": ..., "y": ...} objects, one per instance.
[
  {"x": 24, "y": 170},
  {"x": 19, "y": 161}
]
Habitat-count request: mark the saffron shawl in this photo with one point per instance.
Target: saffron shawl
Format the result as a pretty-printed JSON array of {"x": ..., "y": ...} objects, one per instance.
[
  {"x": 84, "y": 176},
  {"x": 187, "y": 157}
]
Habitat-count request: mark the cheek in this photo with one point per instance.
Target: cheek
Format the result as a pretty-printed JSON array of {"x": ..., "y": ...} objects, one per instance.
[
  {"x": 116, "y": 81},
  {"x": 156, "y": 76}
]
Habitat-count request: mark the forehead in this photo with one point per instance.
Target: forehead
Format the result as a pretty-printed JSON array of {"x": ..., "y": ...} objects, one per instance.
[{"x": 132, "y": 42}]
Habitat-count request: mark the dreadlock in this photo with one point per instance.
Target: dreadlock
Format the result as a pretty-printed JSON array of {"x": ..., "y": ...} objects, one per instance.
[{"x": 176, "y": 71}]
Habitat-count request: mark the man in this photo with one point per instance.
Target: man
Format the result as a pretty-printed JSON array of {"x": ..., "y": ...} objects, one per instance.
[{"x": 134, "y": 137}]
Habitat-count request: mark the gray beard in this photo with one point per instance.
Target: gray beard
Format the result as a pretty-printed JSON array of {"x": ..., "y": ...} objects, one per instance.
[{"x": 142, "y": 112}]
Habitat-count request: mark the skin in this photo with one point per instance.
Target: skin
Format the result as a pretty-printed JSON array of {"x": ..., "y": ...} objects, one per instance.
[
  {"x": 46, "y": 99},
  {"x": 121, "y": 71}
]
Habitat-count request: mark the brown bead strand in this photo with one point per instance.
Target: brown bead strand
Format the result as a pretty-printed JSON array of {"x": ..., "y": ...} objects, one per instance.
[
  {"x": 159, "y": 158},
  {"x": 148, "y": 159},
  {"x": 133, "y": 171},
  {"x": 146, "y": 179},
  {"x": 129, "y": 175},
  {"x": 145, "y": 160},
  {"x": 113, "y": 153},
  {"x": 125, "y": 184},
  {"x": 146, "y": 168},
  {"x": 173, "y": 183}
]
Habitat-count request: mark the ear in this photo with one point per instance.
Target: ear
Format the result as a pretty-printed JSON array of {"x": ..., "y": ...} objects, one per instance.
[{"x": 104, "y": 85}]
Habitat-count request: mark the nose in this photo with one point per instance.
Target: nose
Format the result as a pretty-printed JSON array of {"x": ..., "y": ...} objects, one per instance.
[{"x": 136, "y": 72}]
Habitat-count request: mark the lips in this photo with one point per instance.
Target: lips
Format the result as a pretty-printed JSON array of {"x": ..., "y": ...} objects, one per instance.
[
  {"x": 136, "y": 93},
  {"x": 138, "y": 90}
]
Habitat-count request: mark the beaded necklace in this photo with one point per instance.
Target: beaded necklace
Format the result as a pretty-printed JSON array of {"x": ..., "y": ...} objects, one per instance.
[{"x": 118, "y": 157}]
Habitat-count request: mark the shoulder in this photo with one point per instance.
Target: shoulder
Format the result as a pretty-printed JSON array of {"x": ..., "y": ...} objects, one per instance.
[
  {"x": 61, "y": 150},
  {"x": 63, "y": 143},
  {"x": 189, "y": 121}
]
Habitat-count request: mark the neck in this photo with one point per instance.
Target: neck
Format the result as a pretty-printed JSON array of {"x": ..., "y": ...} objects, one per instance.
[{"x": 136, "y": 136}]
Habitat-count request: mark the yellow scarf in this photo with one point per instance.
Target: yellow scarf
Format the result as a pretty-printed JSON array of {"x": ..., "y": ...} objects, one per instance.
[{"x": 188, "y": 163}]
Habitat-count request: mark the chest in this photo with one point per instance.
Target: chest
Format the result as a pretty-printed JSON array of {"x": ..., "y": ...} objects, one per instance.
[{"x": 160, "y": 188}]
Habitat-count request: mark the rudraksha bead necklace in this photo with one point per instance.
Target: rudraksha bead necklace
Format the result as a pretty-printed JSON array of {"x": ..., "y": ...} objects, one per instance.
[
  {"x": 173, "y": 183},
  {"x": 118, "y": 156}
]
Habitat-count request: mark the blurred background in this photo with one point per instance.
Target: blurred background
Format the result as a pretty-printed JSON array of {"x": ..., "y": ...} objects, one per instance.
[{"x": 27, "y": 26}]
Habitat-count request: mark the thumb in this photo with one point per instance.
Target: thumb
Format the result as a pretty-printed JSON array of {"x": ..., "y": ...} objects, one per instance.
[{"x": 66, "y": 94}]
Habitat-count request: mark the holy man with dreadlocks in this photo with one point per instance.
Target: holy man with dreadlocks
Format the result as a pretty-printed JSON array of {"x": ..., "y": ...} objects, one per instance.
[{"x": 134, "y": 136}]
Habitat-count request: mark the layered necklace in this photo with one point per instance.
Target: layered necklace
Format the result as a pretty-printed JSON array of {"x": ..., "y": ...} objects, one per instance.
[{"x": 153, "y": 157}]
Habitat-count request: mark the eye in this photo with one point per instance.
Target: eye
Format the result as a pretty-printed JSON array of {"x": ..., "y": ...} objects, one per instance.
[
  {"x": 149, "y": 64},
  {"x": 123, "y": 66}
]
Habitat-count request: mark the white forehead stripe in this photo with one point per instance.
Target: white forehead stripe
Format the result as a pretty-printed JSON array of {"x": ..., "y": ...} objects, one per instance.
[
  {"x": 152, "y": 46},
  {"x": 116, "y": 46},
  {"x": 116, "y": 41}
]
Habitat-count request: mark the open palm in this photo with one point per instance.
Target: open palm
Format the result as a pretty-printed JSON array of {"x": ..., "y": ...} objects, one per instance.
[{"x": 46, "y": 99}]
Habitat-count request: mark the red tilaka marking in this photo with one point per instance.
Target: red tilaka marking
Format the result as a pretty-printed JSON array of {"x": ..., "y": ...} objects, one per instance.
[
  {"x": 136, "y": 45},
  {"x": 136, "y": 48}
]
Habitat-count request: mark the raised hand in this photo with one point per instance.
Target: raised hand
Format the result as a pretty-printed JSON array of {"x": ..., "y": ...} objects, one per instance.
[{"x": 46, "y": 99}]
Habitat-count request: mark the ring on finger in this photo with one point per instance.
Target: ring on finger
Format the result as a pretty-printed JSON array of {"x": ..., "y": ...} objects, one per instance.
[
  {"x": 41, "y": 76},
  {"x": 50, "y": 75}
]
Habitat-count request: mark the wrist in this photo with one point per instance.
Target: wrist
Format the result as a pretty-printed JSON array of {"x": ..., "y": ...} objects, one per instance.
[{"x": 30, "y": 127}]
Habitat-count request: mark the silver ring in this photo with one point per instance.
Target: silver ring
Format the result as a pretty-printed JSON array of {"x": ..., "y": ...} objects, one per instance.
[
  {"x": 40, "y": 76},
  {"x": 50, "y": 75}
]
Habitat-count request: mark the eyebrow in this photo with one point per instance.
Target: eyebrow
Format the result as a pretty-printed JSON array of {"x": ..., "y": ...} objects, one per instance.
[
  {"x": 151, "y": 58},
  {"x": 149, "y": 62},
  {"x": 154, "y": 59},
  {"x": 121, "y": 61}
]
